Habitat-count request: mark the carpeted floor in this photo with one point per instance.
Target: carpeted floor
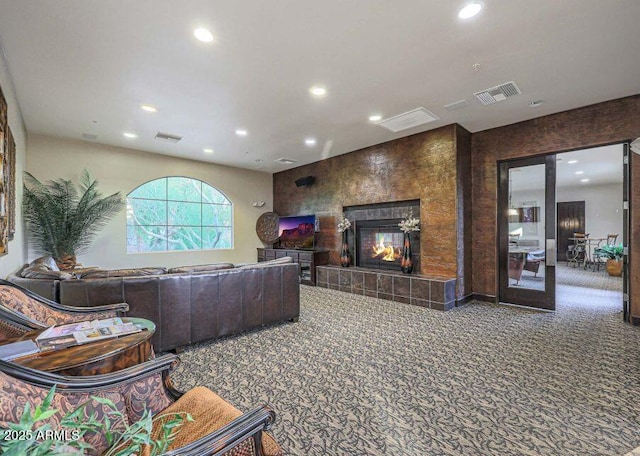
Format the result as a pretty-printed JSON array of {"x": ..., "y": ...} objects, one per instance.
[
  {"x": 362, "y": 376},
  {"x": 573, "y": 277}
]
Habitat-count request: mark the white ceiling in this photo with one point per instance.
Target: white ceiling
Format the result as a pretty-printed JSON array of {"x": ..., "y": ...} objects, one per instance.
[{"x": 86, "y": 66}]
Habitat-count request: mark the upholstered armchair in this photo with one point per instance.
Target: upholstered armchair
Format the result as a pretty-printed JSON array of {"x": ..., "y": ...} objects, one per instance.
[
  {"x": 218, "y": 427},
  {"x": 22, "y": 310}
]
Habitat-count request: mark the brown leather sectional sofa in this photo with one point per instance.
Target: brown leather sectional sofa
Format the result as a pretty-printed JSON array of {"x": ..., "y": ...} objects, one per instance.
[{"x": 188, "y": 304}]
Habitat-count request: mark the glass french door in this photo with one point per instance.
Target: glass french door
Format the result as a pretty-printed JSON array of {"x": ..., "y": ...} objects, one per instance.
[{"x": 526, "y": 232}]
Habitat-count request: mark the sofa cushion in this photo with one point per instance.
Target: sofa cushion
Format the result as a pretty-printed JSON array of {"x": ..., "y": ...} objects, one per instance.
[
  {"x": 200, "y": 268},
  {"x": 135, "y": 272},
  {"x": 266, "y": 264},
  {"x": 14, "y": 394},
  {"x": 210, "y": 412}
]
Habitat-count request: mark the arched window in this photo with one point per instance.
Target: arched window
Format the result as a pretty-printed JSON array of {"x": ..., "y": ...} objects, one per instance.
[{"x": 178, "y": 213}]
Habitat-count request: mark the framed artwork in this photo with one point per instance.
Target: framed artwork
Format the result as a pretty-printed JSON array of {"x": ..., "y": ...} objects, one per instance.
[
  {"x": 10, "y": 172},
  {"x": 5, "y": 172}
]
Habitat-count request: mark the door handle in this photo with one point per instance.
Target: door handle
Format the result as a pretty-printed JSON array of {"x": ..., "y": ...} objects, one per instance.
[{"x": 550, "y": 252}]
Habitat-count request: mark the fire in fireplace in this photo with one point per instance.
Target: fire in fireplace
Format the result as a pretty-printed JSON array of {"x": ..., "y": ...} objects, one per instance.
[{"x": 379, "y": 244}]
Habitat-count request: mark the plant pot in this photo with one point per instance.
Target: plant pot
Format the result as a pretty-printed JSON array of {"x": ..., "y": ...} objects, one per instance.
[{"x": 614, "y": 267}]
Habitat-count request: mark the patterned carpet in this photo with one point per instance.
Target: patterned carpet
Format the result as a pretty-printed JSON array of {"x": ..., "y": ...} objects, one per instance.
[
  {"x": 363, "y": 376},
  {"x": 573, "y": 277}
]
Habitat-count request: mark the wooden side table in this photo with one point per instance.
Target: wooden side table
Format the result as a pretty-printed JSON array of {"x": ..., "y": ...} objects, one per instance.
[{"x": 100, "y": 357}]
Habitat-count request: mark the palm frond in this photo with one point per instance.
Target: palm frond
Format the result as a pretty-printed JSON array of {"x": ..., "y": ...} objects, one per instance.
[{"x": 62, "y": 220}]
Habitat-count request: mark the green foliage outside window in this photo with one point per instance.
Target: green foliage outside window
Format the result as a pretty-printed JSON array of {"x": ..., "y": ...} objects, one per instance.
[{"x": 178, "y": 213}]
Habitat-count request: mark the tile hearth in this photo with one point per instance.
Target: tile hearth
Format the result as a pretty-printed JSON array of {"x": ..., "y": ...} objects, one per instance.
[{"x": 432, "y": 292}]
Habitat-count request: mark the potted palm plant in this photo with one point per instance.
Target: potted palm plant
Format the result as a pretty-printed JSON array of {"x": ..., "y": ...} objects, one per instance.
[
  {"x": 614, "y": 255},
  {"x": 63, "y": 219}
]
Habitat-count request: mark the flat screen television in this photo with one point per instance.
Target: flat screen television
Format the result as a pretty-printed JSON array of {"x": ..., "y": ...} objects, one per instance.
[{"x": 296, "y": 232}]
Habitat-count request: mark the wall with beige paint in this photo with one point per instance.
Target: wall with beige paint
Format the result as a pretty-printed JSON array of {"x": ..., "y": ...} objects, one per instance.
[
  {"x": 119, "y": 169},
  {"x": 16, "y": 249}
]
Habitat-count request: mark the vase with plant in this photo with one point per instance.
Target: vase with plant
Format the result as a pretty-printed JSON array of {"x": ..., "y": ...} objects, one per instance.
[
  {"x": 62, "y": 219},
  {"x": 345, "y": 255},
  {"x": 408, "y": 225},
  {"x": 124, "y": 438},
  {"x": 614, "y": 255}
]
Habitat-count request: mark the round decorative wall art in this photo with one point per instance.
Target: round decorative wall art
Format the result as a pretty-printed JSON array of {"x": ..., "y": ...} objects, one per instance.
[{"x": 267, "y": 227}]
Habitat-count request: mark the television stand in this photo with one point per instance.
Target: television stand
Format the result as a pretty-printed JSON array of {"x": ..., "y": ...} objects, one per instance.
[{"x": 308, "y": 259}]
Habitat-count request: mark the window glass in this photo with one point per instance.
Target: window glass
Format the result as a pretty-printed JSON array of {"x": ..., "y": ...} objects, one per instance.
[{"x": 178, "y": 213}]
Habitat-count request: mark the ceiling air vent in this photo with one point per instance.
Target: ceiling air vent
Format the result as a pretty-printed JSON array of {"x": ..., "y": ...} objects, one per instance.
[
  {"x": 168, "y": 137},
  {"x": 409, "y": 119},
  {"x": 284, "y": 161},
  {"x": 498, "y": 93},
  {"x": 89, "y": 136},
  {"x": 457, "y": 105}
]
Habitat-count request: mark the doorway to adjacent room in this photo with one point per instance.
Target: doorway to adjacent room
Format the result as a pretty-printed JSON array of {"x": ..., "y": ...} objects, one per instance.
[{"x": 563, "y": 263}]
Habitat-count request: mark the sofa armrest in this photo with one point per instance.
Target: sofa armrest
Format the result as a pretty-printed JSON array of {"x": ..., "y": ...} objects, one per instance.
[
  {"x": 248, "y": 426},
  {"x": 89, "y": 383},
  {"x": 119, "y": 308}
]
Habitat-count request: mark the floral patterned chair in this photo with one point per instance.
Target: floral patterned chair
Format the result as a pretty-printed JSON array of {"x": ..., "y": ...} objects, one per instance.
[
  {"x": 22, "y": 311},
  {"x": 217, "y": 428}
]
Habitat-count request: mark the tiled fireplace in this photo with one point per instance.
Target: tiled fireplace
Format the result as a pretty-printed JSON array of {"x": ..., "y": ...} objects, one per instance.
[
  {"x": 379, "y": 244},
  {"x": 376, "y": 239},
  {"x": 436, "y": 293}
]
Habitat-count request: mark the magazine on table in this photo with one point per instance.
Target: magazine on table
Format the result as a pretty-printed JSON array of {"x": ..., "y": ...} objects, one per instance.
[
  {"x": 9, "y": 352},
  {"x": 84, "y": 332}
]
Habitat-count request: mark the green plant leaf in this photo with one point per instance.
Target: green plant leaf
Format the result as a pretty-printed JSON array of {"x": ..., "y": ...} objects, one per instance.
[{"x": 60, "y": 220}]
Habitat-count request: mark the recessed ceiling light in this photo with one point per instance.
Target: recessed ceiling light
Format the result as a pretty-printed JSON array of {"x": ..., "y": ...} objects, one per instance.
[
  {"x": 203, "y": 35},
  {"x": 310, "y": 142},
  {"x": 536, "y": 103},
  {"x": 470, "y": 10},
  {"x": 318, "y": 91},
  {"x": 571, "y": 162},
  {"x": 149, "y": 108},
  {"x": 129, "y": 135},
  {"x": 375, "y": 118},
  {"x": 584, "y": 180},
  {"x": 208, "y": 150},
  {"x": 579, "y": 172},
  {"x": 241, "y": 132}
]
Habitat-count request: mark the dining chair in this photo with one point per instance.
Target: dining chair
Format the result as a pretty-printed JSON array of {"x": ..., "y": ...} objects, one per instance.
[{"x": 576, "y": 252}]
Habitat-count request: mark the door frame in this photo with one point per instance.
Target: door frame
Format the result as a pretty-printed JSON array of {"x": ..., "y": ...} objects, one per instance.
[{"x": 543, "y": 300}]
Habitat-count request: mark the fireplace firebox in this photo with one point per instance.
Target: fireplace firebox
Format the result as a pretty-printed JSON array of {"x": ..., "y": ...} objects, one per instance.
[{"x": 379, "y": 244}]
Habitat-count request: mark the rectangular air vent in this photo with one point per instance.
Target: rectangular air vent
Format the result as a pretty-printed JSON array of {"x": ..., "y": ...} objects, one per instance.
[
  {"x": 457, "y": 105},
  {"x": 168, "y": 137},
  {"x": 284, "y": 161},
  {"x": 498, "y": 93},
  {"x": 89, "y": 136},
  {"x": 409, "y": 119}
]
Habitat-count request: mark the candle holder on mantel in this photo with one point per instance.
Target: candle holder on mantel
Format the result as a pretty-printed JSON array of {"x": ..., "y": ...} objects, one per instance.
[{"x": 345, "y": 255}]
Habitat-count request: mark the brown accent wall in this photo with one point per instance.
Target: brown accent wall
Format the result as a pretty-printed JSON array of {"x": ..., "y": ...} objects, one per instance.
[
  {"x": 464, "y": 216},
  {"x": 422, "y": 166},
  {"x": 604, "y": 123}
]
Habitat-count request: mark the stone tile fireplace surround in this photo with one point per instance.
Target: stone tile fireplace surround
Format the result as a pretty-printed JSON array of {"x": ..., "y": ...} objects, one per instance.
[
  {"x": 431, "y": 292},
  {"x": 381, "y": 220},
  {"x": 380, "y": 277}
]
